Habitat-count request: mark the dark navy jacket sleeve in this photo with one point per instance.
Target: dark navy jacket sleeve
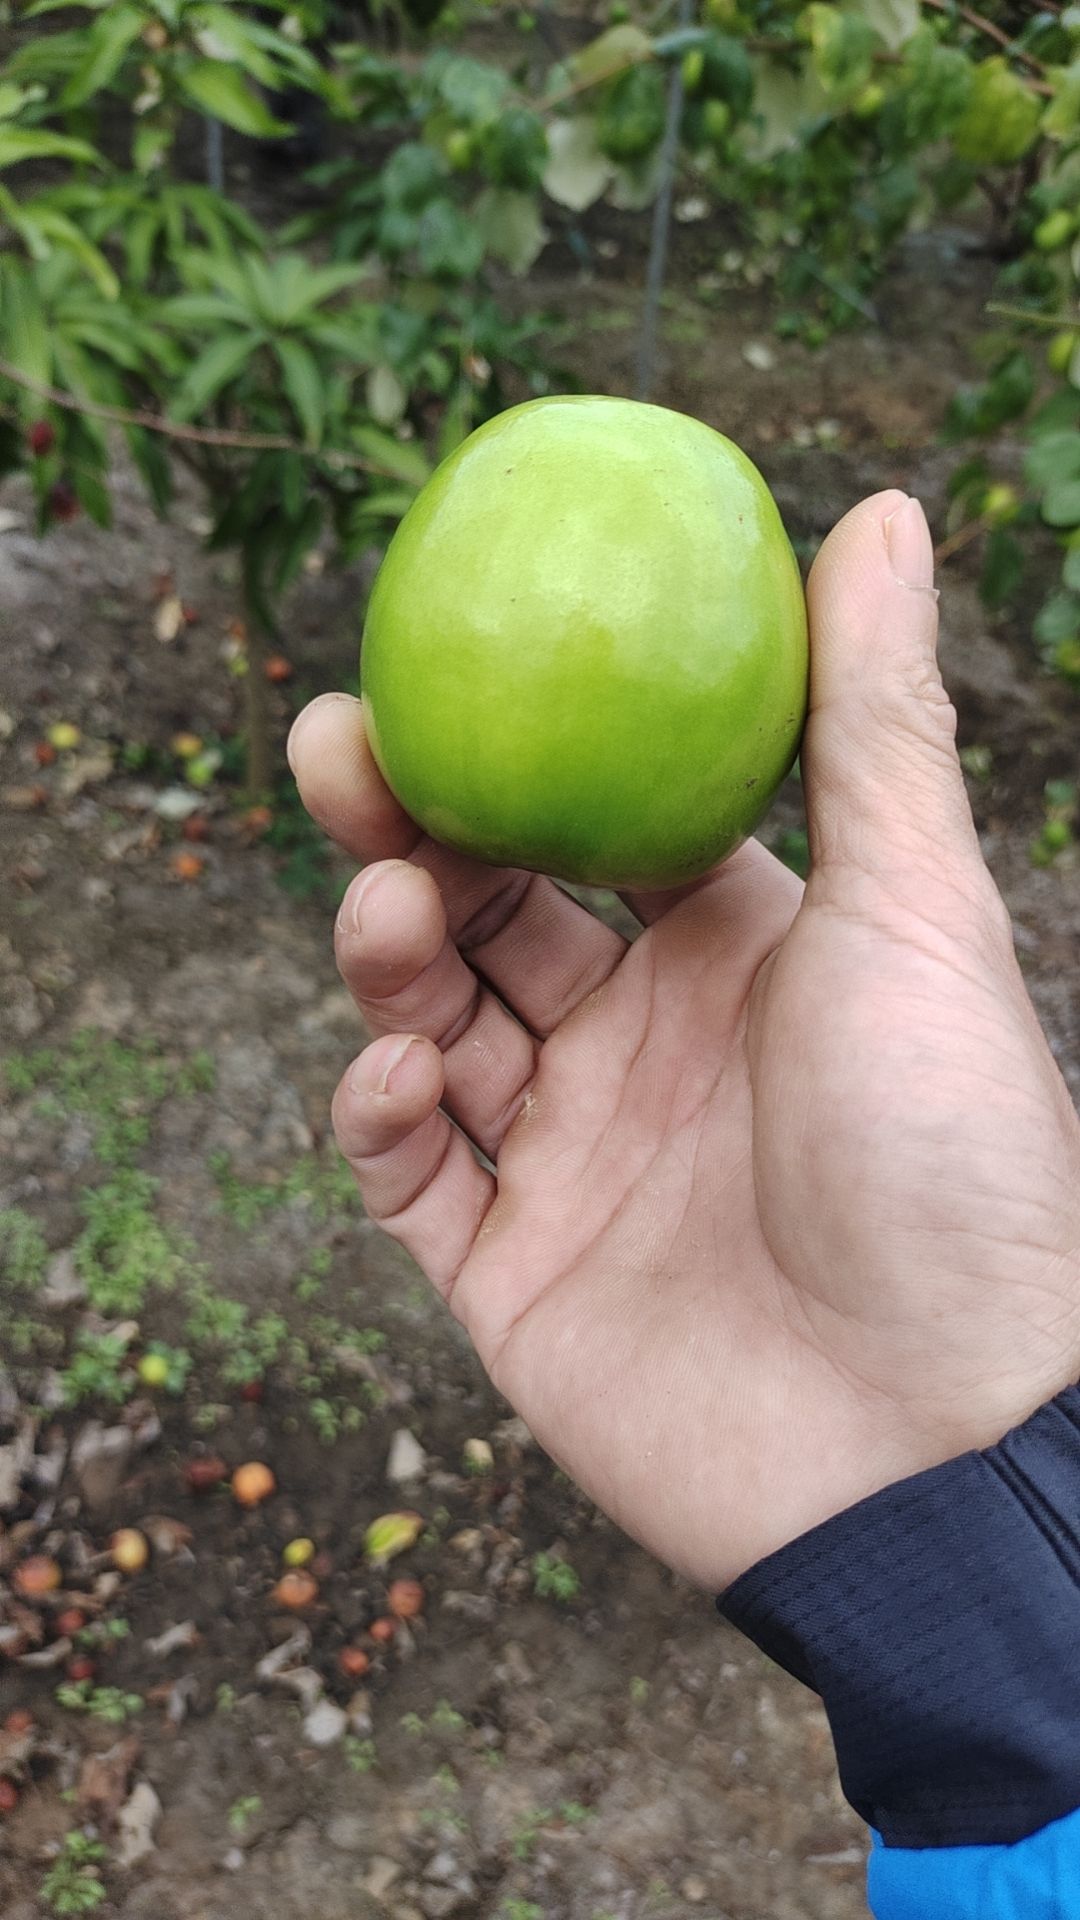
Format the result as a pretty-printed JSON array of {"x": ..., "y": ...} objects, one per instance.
[{"x": 939, "y": 1620}]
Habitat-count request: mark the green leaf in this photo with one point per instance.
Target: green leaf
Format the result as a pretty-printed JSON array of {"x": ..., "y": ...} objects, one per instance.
[
  {"x": 1058, "y": 619},
  {"x": 897, "y": 21},
  {"x": 217, "y": 89},
  {"x": 27, "y": 338},
  {"x": 1061, "y": 504},
  {"x": 303, "y": 385},
  {"x": 577, "y": 172},
  {"x": 621, "y": 46},
  {"x": 93, "y": 496},
  {"x": 222, "y": 34},
  {"x": 297, "y": 542},
  {"x": 150, "y": 142},
  {"x": 401, "y": 458},
  {"x": 221, "y": 361},
  {"x": 448, "y": 244},
  {"x": 33, "y": 143},
  {"x": 106, "y": 44},
  {"x": 843, "y": 47},
  {"x": 1002, "y": 569},
  {"x": 1070, "y": 572},
  {"x": 60, "y": 229},
  {"x": 511, "y": 226},
  {"x": 1001, "y": 119},
  {"x": 1053, "y": 457},
  {"x": 148, "y": 452},
  {"x": 386, "y": 397},
  {"x": 473, "y": 91}
]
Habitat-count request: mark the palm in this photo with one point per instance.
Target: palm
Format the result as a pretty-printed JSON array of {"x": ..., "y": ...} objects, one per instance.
[
  {"x": 671, "y": 1252},
  {"x": 786, "y": 1200}
]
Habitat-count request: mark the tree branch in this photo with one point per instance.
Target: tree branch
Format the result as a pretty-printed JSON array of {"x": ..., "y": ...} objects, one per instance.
[
  {"x": 996, "y": 33},
  {"x": 179, "y": 430}
]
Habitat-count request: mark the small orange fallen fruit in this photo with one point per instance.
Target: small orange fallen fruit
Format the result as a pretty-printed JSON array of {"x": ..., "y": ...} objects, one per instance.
[
  {"x": 129, "y": 1549},
  {"x": 36, "y": 1576},
  {"x": 405, "y": 1599},
  {"x": 253, "y": 1483},
  {"x": 296, "y": 1591},
  {"x": 354, "y": 1662}
]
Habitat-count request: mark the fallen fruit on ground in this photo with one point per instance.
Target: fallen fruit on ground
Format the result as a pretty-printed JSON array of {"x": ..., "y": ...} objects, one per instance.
[
  {"x": 9, "y": 1796},
  {"x": 405, "y": 1599},
  {"x": 209, "y": 1470},
  {"x": 130, "y": 1550},
  {"x": 299, "y": 1553},
  {"x": 37, "y": 1576},
  {"x": 390, "y": 1534},
  {"x": 296, "y": 1591},
  {"x": 253, "y": 1483},
  {"x": 354, "y": 1662},
  {"x": 70, "y": 1622},
  {"x": 585, "y": 651},
  {"x": 18, "y": 1721},
  {"x": 79, "y": 1669},
  {"x": 153, "y": 1369},
  {"x": 382, "y": 1631}
]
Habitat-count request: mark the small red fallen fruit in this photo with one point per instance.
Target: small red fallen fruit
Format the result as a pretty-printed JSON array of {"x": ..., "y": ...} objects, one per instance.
[
  {"x": 382, "y": 1631},
  {"x": 186, "y": 866},
  {"x": 9, "y": 1796},
  {"x": 80, "y": 1668},
  {"x": 62, "y": 502},
  {"x": 205, "y": 1472},
  {"x": 296, "y": 1591},
  {"x": 18, "y": 1721},
  {"x": 277, "y": 668},
  {"x": 405, "y": 1599},
  {"x": 253, "y": 1483},
  {"x": 129, "y": 1549},
  {"x": 252, "y": 1392},
  {"x": 44, "y": 753},
  {"x": 197, "y": 828},
  {"x": 37, "y": 1576},
  {"x": 257, "y": 820},
  {"x": 41, "y": 438},
  {"x": 70, "y": 1622},
  {"x": 354, "y": 1662}
]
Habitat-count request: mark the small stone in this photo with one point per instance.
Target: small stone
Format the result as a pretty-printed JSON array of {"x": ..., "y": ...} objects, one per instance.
[
  {"x": 759, "y": 356},
  {"x": 473, "y": 1606},
  {"x": 694, "y": 1889},
  {"x": 326, "y": 1724},
  {"x": 380, "y": 1876},
  {"x": 137, "y": 1822},
  {"x": 348, "y": 1833},
  {"x": 407, "y": 1459},
  {"x": 99, "y": 1460},
  {"x": 443, "y": 1867},
  {"x": 439, "y": 1902},
  {"x": 63, "y": 1287},
  {"x": 233, "y": 1861}
]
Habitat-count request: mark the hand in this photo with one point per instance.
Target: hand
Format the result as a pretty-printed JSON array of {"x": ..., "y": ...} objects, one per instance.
[{"x": 786, "y": 1200}]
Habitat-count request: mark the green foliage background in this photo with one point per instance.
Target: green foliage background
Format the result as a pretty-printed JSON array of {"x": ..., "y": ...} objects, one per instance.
[{"x": 311, "y": 372}]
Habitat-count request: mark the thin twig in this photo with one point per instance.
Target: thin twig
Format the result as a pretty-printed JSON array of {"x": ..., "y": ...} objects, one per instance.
[
  {"x": 178, "y": 429},
  {"x": 961, "y": 538},
  {"x": 1054, "y": 322}
]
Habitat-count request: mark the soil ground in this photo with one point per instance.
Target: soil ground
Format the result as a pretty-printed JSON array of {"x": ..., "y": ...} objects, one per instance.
[{"x": 615, "y": 1753}]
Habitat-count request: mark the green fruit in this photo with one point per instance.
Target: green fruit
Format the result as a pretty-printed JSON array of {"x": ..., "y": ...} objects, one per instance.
[
  {"x": 1001, "y": 503},
  {"x": 1054, "y": 232},
  {"x": 460, "y": 148},
  {"x": 153, "y": 1370},
  {"x": 693, "y": 69},
  {"x": 585, "y": 651},
  {"x": 1060, "y": 351},
  {"x": 716, "y": 120},
  {"x": 868, "y": 103},
  {"x": 728, "y": 74},
  {"x": 631, "y": 118}
]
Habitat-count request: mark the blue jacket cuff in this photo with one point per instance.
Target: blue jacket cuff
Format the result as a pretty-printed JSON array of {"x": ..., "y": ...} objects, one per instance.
[{"x": 939, "y": 1620}]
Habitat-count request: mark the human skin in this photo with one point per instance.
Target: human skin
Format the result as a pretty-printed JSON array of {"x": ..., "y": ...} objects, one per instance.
[{"x": 779, "y": 1203}]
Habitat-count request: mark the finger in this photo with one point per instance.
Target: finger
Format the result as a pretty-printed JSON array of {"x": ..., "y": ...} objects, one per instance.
[
  {"x": 751, "y": 876},
  {"x": 540, "y": 949},
  {"x": 886, "y": 800},
  {"x": 418, "y": 1176},
  {"x": 407, "y": 976}
]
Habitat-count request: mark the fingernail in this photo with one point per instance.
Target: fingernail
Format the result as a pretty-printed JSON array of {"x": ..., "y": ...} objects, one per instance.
[
  {"x": 290, "y": 744},
  {"x": 393, "y": 1060},
  {"x": 349, "y": 916},
  {"x": 910, "y": 548}
]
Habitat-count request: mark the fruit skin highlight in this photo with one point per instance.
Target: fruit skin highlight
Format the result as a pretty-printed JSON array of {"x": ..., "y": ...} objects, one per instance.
[{"x": 585, "y": 652}]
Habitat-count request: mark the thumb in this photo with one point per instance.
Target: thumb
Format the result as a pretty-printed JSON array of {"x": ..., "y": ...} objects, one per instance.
[{"x": 885, "y": 794}]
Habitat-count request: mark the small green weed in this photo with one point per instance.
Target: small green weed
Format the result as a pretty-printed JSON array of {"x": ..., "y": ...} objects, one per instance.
[
  {"x": 1061, "y": 802},
  {"x": 117, "y": 1089},
  {"x": 23, "y": 1251},
  {"x": 242, "y": 1813},
  {"x": 514, "y": 1908},
  {"x": 124, "y": 1252},
  {"x": 98, "y": 1369},
  {"x": 110, "y": 1704},
  {"x": 73, "y": 1883},
  {"x": 360, "y": 1754},
  {"x": 554, "y": 1578}
]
